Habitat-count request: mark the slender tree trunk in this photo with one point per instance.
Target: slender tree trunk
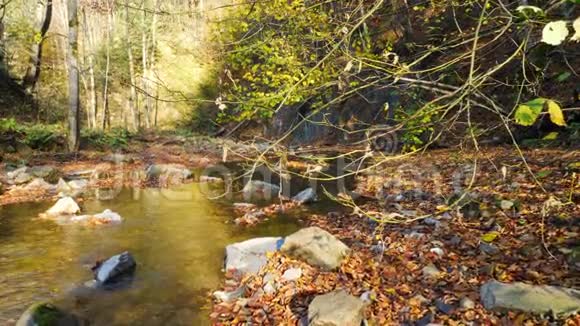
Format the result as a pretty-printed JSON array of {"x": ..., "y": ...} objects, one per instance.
[
  {"x": 73, "y": 77},
  {"x": 151, "y": 70},
  {"x": 43, "y": 19},
  {"x": 4, "y": 75},
  {"x": 133, "y": 91},
  {"x": 92, "y": 91},
  {"x": 105, "y": 110},
  {"x": 144, "y": 77}
]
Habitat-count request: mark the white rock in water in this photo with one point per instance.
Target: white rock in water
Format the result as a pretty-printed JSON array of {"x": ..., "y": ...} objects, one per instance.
[
  {"x": 64, "y": 206},
  {"x": 107, "y": 217}
]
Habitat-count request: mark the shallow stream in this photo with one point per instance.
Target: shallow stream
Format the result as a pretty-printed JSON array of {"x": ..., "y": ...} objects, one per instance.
[{"x": 176, "y": 235}]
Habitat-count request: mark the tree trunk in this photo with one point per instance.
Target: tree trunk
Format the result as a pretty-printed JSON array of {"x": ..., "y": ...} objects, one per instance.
[
  {"x": 133, "y": 91},
  {"x": 43, "y": 19},
  {"x": 90, "y": 58},
  {"x": 144, "y": 77},
  {"x": 151, "y": 69},
  {"x": 105, "y": 110},
  {"x": 73, "y": 77}
]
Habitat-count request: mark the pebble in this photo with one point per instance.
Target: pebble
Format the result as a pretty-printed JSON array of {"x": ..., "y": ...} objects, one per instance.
[
  {"x": 466, "y": 303},
  {"x": 456, "y": 240},
  {"x": 292, "y": 274},
  {"x": 444, "y": 307},
  {"x": 269, "y": 288},
  {"x": 425, "y": 320},
  {"x": 430, "y": 271},
  {"x": 438, "y": 251},
  {"x": 432, "y": 222},
  {"x": 415, "y": 235},
  {"x": 368, "y": 297},
  {"x": 489, "y": 249},
  {"x": 421, "y": 299}
]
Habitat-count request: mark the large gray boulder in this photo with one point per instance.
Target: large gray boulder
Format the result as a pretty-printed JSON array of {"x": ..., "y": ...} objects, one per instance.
[
  {"x": 249, "y": 256},
  {"x": 317, "y": 247},
  {"x": 337, "y": 308},
  {"x": 259, "y": 190},
  {"x": 559, "y": 301},
  {"x": 45, "y": 314}
]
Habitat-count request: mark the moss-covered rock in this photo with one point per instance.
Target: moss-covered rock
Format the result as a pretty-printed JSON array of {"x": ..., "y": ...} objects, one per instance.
[{"x": 46, "y": 314}]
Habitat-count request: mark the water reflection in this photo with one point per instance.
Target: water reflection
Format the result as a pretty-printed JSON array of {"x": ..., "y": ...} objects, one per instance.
[{"x": 176, "y": 235}]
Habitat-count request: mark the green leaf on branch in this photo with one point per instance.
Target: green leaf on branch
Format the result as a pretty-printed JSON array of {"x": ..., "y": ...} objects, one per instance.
[
  {"x": 527, "y": 113},
  {"x": 563, "y": 76}
]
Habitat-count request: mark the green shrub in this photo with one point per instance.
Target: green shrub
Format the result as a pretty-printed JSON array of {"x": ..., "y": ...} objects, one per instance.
[
  {"x": 9, "y": 126},
  {"x": 43, "y": 137},
  {"x": 115, "y": 139}
]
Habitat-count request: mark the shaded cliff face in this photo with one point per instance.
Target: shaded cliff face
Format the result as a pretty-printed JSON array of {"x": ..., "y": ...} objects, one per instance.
[{"x": 344, "y": 123}]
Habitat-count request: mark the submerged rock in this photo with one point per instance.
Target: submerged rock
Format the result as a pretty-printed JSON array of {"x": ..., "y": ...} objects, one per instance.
[
  {"x": 168, "y": 171},
  {"x": 116, "y": 270},
  {"x": 559, "y": 301},
  {"x": 243, "y": 207},
  {"x": 306, "y": 196},
  {"x": 46, "y": 314},
  {"x": 106, "y": 217},
  {"x": 64, "y": 207},
  {"x": 260, "y": 190},
  {"x": 225, "y": 296},
  {"x": 337, "y": 308},
  {"x": 72, "y": 188},
  {"x": 249, "y": 256},
  {"x": 208, "y": 179},
  {"x": 317, "y": 247}
]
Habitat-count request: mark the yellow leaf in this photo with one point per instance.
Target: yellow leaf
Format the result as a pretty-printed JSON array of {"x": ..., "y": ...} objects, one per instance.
[
  {"x": 489, "y": 237},
  {"x": 556, "y": 114}
]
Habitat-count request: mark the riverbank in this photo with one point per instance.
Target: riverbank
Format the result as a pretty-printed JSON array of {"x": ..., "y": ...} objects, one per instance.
[
  {"x": 106, "y": 169},
  {"x": 444, "y": 227}
]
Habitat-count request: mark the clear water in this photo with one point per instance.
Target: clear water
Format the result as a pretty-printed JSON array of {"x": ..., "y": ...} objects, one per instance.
[{"x": 177, "y": 236}]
